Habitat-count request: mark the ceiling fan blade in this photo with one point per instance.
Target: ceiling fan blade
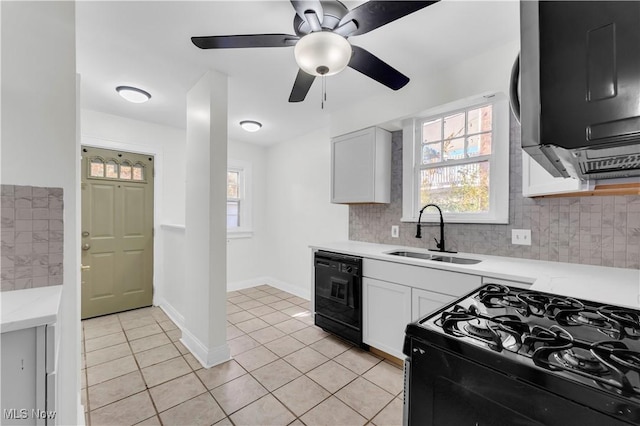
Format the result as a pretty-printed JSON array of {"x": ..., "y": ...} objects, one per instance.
[
  {"x": 241, "y": 41},
  {"x": 302, "y": 6},
  {"x": 372, "y": 66},
  {"x": 301, "y": 86},
  {"x": 374, "y": 14}
]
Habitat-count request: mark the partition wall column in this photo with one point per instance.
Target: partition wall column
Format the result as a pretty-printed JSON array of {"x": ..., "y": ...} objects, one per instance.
[{"x": 205, "y": 288}]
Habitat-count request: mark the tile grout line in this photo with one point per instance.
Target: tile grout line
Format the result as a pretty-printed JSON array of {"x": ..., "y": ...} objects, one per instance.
[{"x": 251, "y": 373}]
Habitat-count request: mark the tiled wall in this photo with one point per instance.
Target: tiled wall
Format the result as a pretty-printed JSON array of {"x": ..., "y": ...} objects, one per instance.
[
  {"x": 588, "y": 230},
  {"x": 32, "y": 232}
]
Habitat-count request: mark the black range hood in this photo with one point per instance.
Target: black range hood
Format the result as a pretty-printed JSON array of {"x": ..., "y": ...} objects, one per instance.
[{"x": 580, "y": 87}]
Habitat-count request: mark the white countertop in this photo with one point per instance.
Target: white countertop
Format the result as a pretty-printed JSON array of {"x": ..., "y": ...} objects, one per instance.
[
  {"x": 616, "y": 286},
  {"x": 30, "y": 307}
]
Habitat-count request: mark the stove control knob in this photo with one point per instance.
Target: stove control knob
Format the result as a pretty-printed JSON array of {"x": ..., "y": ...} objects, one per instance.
[{"x": 418, "y": 350}]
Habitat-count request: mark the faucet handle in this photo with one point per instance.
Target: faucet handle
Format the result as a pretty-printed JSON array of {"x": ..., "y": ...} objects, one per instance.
[{"x": 438, "y": 244}]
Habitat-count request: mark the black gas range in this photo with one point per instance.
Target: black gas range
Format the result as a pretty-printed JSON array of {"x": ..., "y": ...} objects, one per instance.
[{"x": 510, "y": 356}]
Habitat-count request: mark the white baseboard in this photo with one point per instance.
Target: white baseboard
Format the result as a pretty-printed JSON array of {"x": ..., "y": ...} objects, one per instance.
[
  {"x": 80, "y": 419},
  {"x": 207, "y": 357},
  {"x": 280, "y": 285},
  {"x": 289, "y": 288},
  {"x": 172, "y": 313},
  {"x": 241, "y": 285}
]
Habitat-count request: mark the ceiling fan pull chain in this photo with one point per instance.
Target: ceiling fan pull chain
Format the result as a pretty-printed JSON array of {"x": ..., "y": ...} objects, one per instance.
[{"x": 323, "y": 96}]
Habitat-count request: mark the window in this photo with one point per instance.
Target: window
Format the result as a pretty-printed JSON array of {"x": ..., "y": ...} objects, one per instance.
[
  {"x": 111, "y": 169},
  {"x": 457, "y": 157},
  {"x": 233, "y": 199},
  {"x": 238, "y": 199}
]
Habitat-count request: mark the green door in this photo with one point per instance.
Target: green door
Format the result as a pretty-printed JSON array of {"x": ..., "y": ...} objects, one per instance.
[{"x": 117, "y": 231}]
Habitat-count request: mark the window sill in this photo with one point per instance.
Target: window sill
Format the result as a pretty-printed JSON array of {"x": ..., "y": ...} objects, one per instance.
[
  {"x": 436, "y": 220},
  {"x": 239, "y": 233}
]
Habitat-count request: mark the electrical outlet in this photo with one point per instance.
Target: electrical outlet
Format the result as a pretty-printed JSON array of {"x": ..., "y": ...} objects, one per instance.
[
  {"x": 395, "y": 231},
  {"x": 521, "y": 237}
]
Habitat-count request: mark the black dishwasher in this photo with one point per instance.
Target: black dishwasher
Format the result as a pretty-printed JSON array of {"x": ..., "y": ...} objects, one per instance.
[{"x": 338, "y": 295}]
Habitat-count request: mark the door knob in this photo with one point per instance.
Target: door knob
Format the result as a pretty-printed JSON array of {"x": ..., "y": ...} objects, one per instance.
[{"x": 86, "y": 246}]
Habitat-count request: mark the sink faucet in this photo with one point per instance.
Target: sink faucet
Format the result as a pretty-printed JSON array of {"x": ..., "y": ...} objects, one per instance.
[{"x": 440, "y": 245}]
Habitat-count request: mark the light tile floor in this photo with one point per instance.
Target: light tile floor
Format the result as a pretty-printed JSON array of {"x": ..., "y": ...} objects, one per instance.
[{"x": 284, "y": 371}]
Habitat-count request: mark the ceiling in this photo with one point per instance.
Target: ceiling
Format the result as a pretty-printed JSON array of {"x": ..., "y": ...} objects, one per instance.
[{"x": 147, "y": 44}]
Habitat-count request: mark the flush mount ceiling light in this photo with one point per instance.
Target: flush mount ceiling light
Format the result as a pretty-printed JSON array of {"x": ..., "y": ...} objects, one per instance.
[
  {"x": 133, "y": 94},
  {"x": 322, "y": 53},
  {"x": 250, "y": 125}
]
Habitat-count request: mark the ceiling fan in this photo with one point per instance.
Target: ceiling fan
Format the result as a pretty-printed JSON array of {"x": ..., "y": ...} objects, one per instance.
[{"x": 321, "y": 46}]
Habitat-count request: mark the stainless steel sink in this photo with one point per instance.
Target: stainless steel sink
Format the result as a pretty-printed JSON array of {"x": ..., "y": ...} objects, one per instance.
[
  {"x": 411, "y": 254},
  {"x": 435, "y": 257},
  {"x": 451, "y": 259}
]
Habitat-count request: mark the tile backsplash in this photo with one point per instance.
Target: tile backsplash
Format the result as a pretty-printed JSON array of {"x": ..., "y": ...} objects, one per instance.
[
  {"x": 32, "y": 237},
  {"x": 595, "y": 230}
]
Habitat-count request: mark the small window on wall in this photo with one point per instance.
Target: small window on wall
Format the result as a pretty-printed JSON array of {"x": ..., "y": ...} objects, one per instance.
[
  {"x": 239, "y": 199},
  {"x": 233, "y": 199},
  {"x": 460, "y": 162}
]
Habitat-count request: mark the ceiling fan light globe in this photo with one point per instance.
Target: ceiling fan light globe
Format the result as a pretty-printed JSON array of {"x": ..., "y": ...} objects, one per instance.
[{"x": 322, "y": 53}]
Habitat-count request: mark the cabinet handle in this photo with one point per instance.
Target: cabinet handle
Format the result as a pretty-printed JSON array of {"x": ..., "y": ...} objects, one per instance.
[{"x": 85, "y": 268}]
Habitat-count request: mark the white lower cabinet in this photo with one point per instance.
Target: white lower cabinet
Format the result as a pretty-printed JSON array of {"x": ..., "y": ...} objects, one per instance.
[
  {"x": 395, "y": 294},
  {"x": 424, "y": 302},
  {"x": 28, "y": 376},
  {"x": 386, "y": 311}
]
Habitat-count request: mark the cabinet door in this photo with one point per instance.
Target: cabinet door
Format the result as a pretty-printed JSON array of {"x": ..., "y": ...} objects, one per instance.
[
  {"x": 386, "y": 313},
  {"x": 424, "y": 302},
  {"x": 361, "y": 167},
  {"x": 536, "y": 181},
  {"x": 22, "y": 375}
]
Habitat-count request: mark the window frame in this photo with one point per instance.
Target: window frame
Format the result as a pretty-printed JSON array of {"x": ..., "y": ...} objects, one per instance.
[
  {"x": 498, "y": 162},
  {"x": 244, "y": 170}
]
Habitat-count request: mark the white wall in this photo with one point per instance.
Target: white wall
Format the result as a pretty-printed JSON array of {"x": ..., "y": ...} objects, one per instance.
[
  {"x": 115, "y": 132},
  {"x": 39, "y": 135},
  {"x": 246, "y": 261},
  {"x": 299, "y": 211},
  {"x": 488, "y": 72}
]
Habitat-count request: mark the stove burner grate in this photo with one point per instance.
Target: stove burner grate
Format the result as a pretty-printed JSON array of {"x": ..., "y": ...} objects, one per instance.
[{"x": 582, "y": 360}]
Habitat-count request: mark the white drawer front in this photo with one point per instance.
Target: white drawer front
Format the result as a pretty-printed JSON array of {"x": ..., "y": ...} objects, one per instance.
[{"x": 445, "y": 282}]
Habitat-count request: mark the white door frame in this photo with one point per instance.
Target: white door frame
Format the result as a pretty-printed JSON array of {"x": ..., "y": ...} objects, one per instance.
[{"x": 158, "y": 252}]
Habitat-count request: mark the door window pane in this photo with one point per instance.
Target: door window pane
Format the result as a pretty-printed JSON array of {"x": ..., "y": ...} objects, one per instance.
[
  {"x": 138, "y": 172},
  {"x": 96, "y": 168},
  {"x": 125, "y": 170},
  {"x": 111, "y": 169},
  {"x": 461, "y": 188}
]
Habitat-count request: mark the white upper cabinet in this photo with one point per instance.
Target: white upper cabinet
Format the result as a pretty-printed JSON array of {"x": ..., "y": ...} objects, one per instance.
[
  {"x": 536, "y": 181},
  {"x": 361, "y": 167}
]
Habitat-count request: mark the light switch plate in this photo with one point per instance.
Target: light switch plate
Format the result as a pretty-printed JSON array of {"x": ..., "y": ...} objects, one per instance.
[
  {"x": 521, "y": 237},
  {"x": 395, "y": 231}
]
